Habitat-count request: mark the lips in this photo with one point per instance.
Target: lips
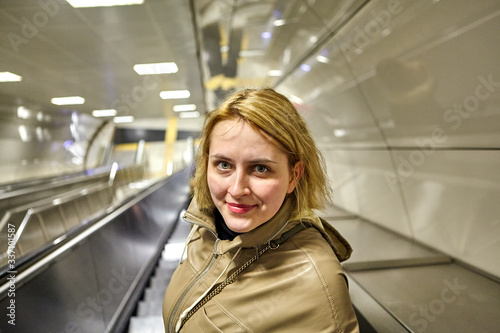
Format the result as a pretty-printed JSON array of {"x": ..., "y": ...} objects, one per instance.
[{"x": 239, "y": 208}]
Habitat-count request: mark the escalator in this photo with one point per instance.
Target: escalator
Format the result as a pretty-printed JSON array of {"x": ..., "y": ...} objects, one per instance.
[{"x": 91, "y": 278}]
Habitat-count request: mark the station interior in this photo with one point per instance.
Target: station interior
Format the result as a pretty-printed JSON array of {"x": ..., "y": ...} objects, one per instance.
[{"x": 101, "y": 108}]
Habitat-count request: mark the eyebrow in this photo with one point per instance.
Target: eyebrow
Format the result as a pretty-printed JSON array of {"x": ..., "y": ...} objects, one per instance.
[{"x": 255, "y": 161}]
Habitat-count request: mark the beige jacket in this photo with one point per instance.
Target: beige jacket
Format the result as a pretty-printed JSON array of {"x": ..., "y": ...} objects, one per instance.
[{"x": 298, "y": 287}]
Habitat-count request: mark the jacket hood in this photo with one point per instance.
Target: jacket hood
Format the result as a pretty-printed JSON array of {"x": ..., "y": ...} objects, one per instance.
[{"x": 281, "y": 222}]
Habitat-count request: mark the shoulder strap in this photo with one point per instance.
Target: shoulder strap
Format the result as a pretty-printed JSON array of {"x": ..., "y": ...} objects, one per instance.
[
  {"x": 230, "y": 279},
  {"x": 299, "y": 227}
]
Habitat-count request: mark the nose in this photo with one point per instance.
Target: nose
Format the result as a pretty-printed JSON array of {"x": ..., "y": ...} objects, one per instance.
[{"x": 239, "y": 185}]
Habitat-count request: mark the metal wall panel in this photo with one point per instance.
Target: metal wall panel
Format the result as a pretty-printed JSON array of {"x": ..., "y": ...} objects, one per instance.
[{"x": 409, "y": 91}]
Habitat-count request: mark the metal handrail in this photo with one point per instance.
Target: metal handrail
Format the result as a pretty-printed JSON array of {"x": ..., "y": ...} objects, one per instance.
[
  {"x": 48, "y": 183},
  {"x": 53, "y": 253},
  {"x": 43, "y": 205},
  {"x": 128, "y": 175},
  {"x": 48, "y": 202}
]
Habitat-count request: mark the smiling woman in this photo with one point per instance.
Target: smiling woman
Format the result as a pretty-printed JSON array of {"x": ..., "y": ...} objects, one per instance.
[
  {"x": 248, "y": 185},
  {"x": 258, "y": 258}
]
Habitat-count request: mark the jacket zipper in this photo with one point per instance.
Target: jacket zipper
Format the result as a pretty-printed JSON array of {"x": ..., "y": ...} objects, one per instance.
[{"x": 172, "y": 323}]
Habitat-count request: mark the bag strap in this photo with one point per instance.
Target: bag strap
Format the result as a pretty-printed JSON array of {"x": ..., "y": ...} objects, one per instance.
[{"x": 230, "y": 279}]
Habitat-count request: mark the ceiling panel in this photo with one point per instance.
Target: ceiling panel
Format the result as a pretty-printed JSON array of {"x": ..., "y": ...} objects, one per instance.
[
  {"x": 90, "y": 52},
  {"x": 218, "y": 45}
]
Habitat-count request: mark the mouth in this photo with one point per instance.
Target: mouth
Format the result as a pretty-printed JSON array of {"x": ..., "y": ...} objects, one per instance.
[{"x": 239, "y": 208}]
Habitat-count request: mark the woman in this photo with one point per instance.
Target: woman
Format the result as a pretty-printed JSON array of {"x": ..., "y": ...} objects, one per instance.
[{"x": 258, "y": 258}]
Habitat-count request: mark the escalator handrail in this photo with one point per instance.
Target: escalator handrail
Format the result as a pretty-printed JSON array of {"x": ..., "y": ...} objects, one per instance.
[{"x": 59, "y": 249}]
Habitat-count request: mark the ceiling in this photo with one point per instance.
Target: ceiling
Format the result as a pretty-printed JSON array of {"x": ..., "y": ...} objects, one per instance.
[{"x": 217, "y": 45}]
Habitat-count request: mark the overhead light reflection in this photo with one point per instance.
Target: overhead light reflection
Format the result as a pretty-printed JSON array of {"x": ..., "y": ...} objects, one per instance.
[
  {"x": 9, "y": 77},
  {"x": 266, "y": 35},
  {"x": 339, "y": 132},
  {"x": 68, "y": 143},
  {"x": 24, "y": 134},
  {"x": 184, "y": 107},
  {"x": 279, "y": 23},
  {"x": 174, "y": 94},
  {"x": 296, "y": 100},
  {"x": 23, "y": 113},
  {"x": 39, "y": 133},
  {"x": 123, "y": 119},
  {"x": 156, "y": 68},
  {"x": 274, "y": 72},
  {"x": 71, "y": 100},
  {"x": 184, "y": 115},
  {"x": 103, "y": 3},
  {"x": 323, "y": 59},
  {"x": 305, "y": 67},
  {"x": 104, "y": 113}
]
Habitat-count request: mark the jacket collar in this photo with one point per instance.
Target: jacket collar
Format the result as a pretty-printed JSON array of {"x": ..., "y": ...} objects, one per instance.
[
  {"x": 281, "y": 222},
  {"x": 258, "y": 236}
]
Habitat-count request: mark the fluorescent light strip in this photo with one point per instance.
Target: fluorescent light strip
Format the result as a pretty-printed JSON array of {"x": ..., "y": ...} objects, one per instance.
[
  {"x": 323, "y": 59},
  {"x": 9, "y": 77},
  {"x": 104, "y": 113},
  {"x": 102, "y": 3},
  {"x": 279, "y": 23},
  {"x": 157, "y": 68},
  {"x": 71, "y": 100},
  {"x": 184, "y": 107},
  {"x": 185, "y": 115},
  {"x": 274, "y": 72},
  {"x": 123, "y": 119},
  {"x": 174, "y": 94}
]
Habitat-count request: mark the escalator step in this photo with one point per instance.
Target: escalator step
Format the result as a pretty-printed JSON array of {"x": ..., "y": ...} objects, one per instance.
[{"x": 150, "y": 324}]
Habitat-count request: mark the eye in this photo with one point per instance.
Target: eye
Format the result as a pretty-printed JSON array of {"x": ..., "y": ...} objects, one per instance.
[
  {"x": 261, "y": 168},
  {"x": 223, "y": 165}
]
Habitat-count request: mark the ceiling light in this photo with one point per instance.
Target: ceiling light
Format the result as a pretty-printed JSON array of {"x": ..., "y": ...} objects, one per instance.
[
  {"x": 185, "y": 115},
  {"x": 323, "y": 59},
  {"x": 266, "y": 35},
  {"x": 9, "y": 77},
  {"x": 305, "y": 67},
  {"x": 274, "y": 72},
  {"x": 72, "y": 100},
  {"x": 184, "y": 107},
  {"x": 23, "y": 112},
  {"x": 123, "y": 119},
  {"x": 339, "y": 132},
  {"x": 174, "y": 94},
  {"x": 279, "y": 23},
  {"x": 156, "y": 68},
  {"x": 103, "y": 3},
  {"x": 104, "y": 113}
]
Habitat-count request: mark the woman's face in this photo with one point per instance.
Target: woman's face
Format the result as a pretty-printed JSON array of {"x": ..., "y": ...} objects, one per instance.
[{"x": 248, "y": 175}]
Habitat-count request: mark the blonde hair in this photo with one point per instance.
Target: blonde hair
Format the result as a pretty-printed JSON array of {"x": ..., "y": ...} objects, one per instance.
[{"x": 272, "y": 113}]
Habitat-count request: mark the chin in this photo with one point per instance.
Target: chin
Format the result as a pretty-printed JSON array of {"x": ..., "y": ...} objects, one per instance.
[{"x": 239, "y": 226}]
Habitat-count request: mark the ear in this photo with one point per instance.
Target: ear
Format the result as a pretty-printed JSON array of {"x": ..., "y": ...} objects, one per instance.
[{"x": 297, "y": 172}]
